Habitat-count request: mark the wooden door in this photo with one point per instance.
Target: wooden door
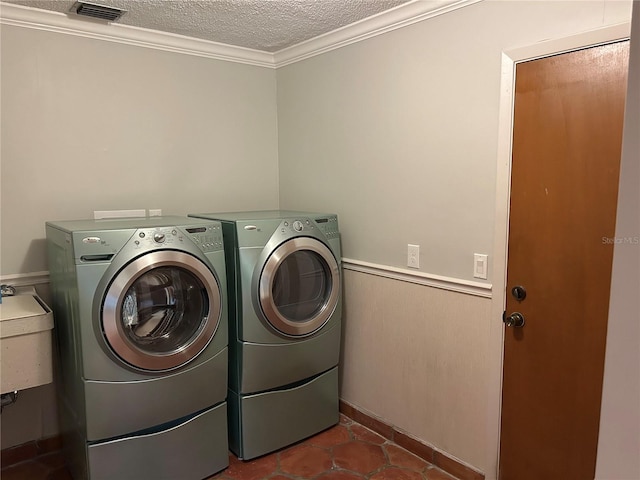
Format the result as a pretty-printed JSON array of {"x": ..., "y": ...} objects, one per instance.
[{"x": 567, "y": 144}]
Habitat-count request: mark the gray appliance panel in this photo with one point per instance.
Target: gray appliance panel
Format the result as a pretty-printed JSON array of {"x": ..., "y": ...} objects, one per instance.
[
  {"x": 272, "y": 420},
  {"x": 77, "y": 292},
  {"x": 250, "y": 327},
  {"x": 89, "y": 225},
  {"x": 117, "y": 408},
  {"x": 97, "y": 361},
  {"x": 259, "y": 215},
  {"x": 193, "y": 450},
  {"x": 265, "y": 366}
]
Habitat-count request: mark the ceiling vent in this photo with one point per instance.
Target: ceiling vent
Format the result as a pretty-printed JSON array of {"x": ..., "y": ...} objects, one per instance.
[{"x": 99, "y": 12}]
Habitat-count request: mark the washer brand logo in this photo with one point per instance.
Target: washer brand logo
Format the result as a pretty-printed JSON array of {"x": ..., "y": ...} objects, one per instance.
[{"x": 91, "y": 239}]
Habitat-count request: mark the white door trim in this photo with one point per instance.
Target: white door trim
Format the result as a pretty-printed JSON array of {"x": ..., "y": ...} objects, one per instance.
[{"x": 510, "y": 58}]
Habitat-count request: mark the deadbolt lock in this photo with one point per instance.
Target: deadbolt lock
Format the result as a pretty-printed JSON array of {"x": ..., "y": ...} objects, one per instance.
[{"x": 519, "y": 293}]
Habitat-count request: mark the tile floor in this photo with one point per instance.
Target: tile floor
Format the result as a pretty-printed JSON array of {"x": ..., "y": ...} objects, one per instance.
[{"x": 347, "y": 451}]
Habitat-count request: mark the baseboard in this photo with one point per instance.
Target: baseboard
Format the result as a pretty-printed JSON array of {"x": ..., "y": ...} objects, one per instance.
[
  {"x": 30, "y": 450},
  {"x": 426, "y": 452}
]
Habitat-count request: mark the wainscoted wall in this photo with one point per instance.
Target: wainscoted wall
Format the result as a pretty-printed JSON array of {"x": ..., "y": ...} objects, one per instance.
[{"x": 415, "y": 356}]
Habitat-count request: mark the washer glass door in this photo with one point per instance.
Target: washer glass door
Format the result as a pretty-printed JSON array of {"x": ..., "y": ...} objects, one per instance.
[
  {"x": 299, "y": 286},
  {"x": 161, "y": 310}
]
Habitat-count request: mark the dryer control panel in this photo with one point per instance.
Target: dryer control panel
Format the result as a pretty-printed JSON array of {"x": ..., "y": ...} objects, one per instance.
[
  {"x": 297, "y": 225},
  {"x": 328, "y": 225}
]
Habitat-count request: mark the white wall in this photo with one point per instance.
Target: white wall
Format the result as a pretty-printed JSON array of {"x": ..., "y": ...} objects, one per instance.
[
  {"x": 93, "y": 125},
  {"x": 398, "y": 134},
  {"x": 619, "y": 442}
]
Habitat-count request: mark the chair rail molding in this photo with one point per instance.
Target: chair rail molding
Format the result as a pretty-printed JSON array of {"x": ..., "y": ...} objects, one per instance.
[{"x": 458, "y": 285}]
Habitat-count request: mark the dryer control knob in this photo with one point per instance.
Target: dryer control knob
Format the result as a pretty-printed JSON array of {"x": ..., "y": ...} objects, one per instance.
[
  {"x": 159, "y": 237},
  {"x": 297, "y": 226}
]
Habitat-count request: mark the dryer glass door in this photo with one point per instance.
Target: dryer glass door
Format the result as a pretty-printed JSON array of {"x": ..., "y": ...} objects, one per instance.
[
  {"x": 299, "y": 286},
  {"x": 161, "y": 310}
]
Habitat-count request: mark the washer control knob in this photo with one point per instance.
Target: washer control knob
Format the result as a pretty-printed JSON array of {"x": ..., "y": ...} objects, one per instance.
[
  {"x": 159, "y": 237},
  {"x": 297, "y": 226}
]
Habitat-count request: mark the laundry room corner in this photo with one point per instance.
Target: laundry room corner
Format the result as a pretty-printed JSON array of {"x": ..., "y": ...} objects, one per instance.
[
  {"x": 90, "y": 124},
  {"x": 395, "y": 129}
]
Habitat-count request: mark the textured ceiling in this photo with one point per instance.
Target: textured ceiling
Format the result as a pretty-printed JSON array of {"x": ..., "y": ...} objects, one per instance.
[{"x": 267, "y": 25}]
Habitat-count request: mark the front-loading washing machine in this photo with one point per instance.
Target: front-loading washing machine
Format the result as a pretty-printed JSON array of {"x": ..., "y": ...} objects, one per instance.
[
  {"x": 284, "y": 280},
  {"x": 140, "y": 312}
]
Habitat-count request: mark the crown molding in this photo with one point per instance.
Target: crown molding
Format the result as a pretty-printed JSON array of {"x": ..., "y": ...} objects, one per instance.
[
  {"x": 401, "y": 16},
  {"x": 27, "y": 17}
]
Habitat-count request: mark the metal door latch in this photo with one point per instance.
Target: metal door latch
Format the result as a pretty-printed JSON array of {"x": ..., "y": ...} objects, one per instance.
[{"x": 516, "y": 320}]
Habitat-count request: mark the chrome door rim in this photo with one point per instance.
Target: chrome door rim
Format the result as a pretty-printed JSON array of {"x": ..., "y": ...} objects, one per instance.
[
  {"x": 267, "y": 276},
  {"x": 112, "y": 310}
]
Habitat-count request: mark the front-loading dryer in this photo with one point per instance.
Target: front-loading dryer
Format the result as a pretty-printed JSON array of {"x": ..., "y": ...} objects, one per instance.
[
  {"x": 285, "y": 284},
  {"x": 140, "y": 311}
]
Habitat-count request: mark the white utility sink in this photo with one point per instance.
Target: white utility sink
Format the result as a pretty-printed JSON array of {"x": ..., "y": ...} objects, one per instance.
[{"x": 25, "y": 342}]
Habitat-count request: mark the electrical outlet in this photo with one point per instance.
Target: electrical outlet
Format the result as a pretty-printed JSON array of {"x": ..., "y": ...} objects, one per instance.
[
  {"x": 480, "y": 265},
  {"x": 413, "y": 256}
]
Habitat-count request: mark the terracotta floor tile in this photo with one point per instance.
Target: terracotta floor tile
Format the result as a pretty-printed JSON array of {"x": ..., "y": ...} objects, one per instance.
[
  {"x": 258, "y": 469},
  {"x": 339, "y": 475},
  {"x": 395, "y": 473},
  {"x": 363, "y": 433},
  {"x": 359, "y": 457},
  {"x": 329, "y": 438},
  {"x": 305, "y": 461},
  {"x": 399, "y": 457},
  {"x": 348, "y": 451}
]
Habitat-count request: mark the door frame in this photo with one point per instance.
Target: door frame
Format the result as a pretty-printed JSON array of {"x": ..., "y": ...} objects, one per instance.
[{"x": 510, "y": 58}]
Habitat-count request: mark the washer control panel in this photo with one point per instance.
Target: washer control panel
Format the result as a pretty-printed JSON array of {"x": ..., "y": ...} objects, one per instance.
[
  {"x": 297, "y": 225},
  {"x": 208, "y": 238},
  {"x": 159, "y": 237}
]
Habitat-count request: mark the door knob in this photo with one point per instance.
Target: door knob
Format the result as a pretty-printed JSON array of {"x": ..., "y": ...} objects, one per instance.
[{"x": 515, "y": 320}]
